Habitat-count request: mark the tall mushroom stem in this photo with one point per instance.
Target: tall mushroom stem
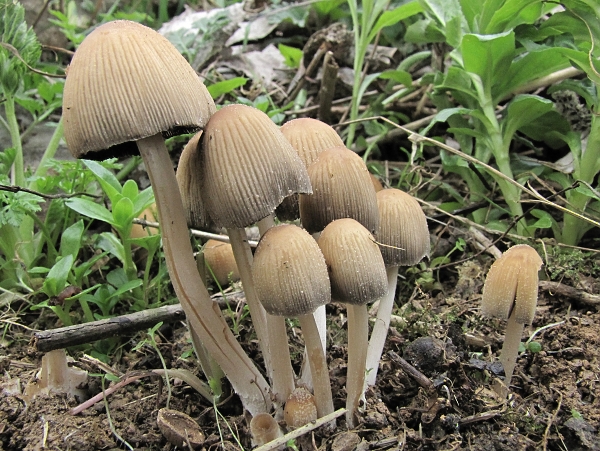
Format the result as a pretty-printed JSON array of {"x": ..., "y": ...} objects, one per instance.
[
  {"x": 203, "y": 315},
  {"x": 381, "y": 327},
  {"x": 358, "y": 338},
  {"x": 510, "y": 349},
  {"x": 318, "y": 365}
]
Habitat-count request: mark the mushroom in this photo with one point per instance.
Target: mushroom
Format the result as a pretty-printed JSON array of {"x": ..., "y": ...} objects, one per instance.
[
  {"x": 291, "y": 279},
  {"x": 342, "y": 188},
  {"x": 221, "y": 261},
  {"x": 510, "y": 292},
  {"x": 300, "y": 408},
  {"x": 249, "y": 168},
  {"x": 357, "y": 275},
  {"x": 264, "y": 429},
  {"x": 127, "y": 88},
  {"x": 404, "y": 240}
]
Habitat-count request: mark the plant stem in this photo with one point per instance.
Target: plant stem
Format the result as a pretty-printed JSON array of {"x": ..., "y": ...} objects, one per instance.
[
  {"x": 510, "y": 349},
  {"x": 48, "y": 153},
  {"x": 18, "y": 172}
]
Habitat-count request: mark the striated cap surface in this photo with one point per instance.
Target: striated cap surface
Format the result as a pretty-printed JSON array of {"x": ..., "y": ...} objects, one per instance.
[
  {"x": 512, "y": 284},
  {"x": 249, "y": 166},
  {"x": 403, "y": 230},
  {"x": 289, "y": 272},
  {"x": 310, "y": 137},
  {"x": 355, "y": 264},
  {"x": 127, "y": 82},
  {"x": 342, "y": 188}
]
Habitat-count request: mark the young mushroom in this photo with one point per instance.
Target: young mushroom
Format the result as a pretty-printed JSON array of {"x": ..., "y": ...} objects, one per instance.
[
  {"x": 510, "y": 292},
  {"x": 248, "y": 169},
  {"x": 264, "y": 429},
  {"x": 357, "y": 275},
  {"x": 127, "y": 88},
  {"x": 291, "y": 280},
  {"x": 403, "y": 239}
]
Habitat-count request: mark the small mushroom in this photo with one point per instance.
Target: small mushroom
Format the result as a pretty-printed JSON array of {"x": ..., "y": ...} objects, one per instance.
[
  {"x": 300, "y": 408},
  {"x": 219, "y": 257},
  {"x": 291, "y": 280},
  {"x": 179, "y": 429},
  {"x": 357, "y": 275},
  {"x": 404, "y": 240},
  {"x": 510, "y": 292},
  {"x": 264, "y": 429}
]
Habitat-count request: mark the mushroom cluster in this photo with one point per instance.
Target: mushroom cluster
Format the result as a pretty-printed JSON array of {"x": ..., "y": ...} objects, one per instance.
[{"x": 240, "y": 169}]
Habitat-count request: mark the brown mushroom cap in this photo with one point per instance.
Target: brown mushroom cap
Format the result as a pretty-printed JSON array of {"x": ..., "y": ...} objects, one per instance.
[
  {"x": 189, "y": 178},
  {"x": 300, "y": 408},
  {"x": 355, "y": 264},
  {"x": 125, "y": 60},
  {"x": 219, "y": 256},
  {"x": 403, "y": 228},
  {"x": 310, "y": 137},
  {"x": 342, "y": 188},
  {"x": 289, "y": 272},
  {"x": 512, "y": 283},
  {"x": 264, "y": 429},
  {"x": 249, "y": 166}
]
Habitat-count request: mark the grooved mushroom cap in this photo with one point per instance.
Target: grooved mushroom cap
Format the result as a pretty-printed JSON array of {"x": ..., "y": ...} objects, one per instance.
[
  {"x": 355, "y": 264},
  {"x": 342, "y": 188},
  {"x": 289, "y": 272},
  {"x": 310, "y": 137},
  {"x": 249, "y": 166},
  {"x": 189, "y": 178},
  {"x": 127, "y": 82},
  {"x": 512, "y": 283},
  {"x": 403, "y": 225},
  {"x": 300, "y": 408}
]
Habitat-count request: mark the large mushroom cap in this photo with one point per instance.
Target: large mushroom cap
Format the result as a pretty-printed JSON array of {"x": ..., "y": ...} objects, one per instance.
[
  {"x": 310, "y": 137},
  {"x": 127, "y": 82},
  {"x": 403, "y": 230},
  {"x": 355, "y": 265},
  {"x": 512, "y": 283},
  {"x": 289, "y": 272},
  {"x": 342, "y": 188},
  {"x": 249, "y": 166}
]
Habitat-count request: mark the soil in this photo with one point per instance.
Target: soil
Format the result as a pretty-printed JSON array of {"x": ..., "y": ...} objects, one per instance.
[{"x": 552, "y": 404}]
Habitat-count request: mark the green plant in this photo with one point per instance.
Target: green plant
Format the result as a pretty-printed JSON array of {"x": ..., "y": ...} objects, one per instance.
[{"x": 493, "y": 56}]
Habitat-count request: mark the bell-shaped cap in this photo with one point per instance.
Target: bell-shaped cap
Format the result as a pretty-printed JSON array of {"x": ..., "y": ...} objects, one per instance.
[
  {"x": 403, "y": 231},
  {"x": 127, "y": 82},
  {"x": 289, "y": 272},
  {"x": 190, "y": 181},
  {"x": 355, "y": 264},
  {"x": 342, "y": 188},
  {"x": 512, "y": 284},
  {"x": 310, "y": 137},
  {"x": 300, "y": 408},
  {"x": 249, "y": 167},
  {"x": 264, "y": 429},
  {"x": 219, "y": 257}
]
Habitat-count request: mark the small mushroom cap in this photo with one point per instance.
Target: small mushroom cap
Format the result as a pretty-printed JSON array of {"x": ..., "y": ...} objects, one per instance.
[
  {"x": 190, "y": 181},
  {"x": 300, "y": 408},
  {"x": 310, "y": 137},
  {"x": 403, "y": 230},
  {"x": 179, "y": 428},
  {"x": 127, "y": 82},
  {"x": 219, "y": 256},
  {"x": 249, "y": 166},
  {"x": 264, "y": 429},
  {"x": 342, "y": 188},
  {"x": 355, "y": 264},
  {"x": 289, "y": 272},
  {"x": 512, "y": 284}
]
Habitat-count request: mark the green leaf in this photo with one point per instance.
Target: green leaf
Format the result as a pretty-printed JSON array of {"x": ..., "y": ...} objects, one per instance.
[
  {"x": 123, "y": 215},
  {"x": 549, "y": 128},
  {"x": 70, "y": 240},
  {"x": 90, "y": 209},
  {"x": 56, "y": 279},
  {"x": 220, "y": 88},
  {"x": 511, "y": 14},
  {"x": 424, "y": 31},
  {"x": 394, "y": 16},
  {"x": 130, "y": 190},
  {"x": 523, "y": 110},
  {"x": 110, "y": 243},
  {"x": 143, "y": 201},
  {"x": 399, "y": 76},
  {"x": 449, "y": 17},
  {"x": 292, "y": 55},
  {"x": 109, "y": 183},
  {"x": 488, "y": 56}
]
